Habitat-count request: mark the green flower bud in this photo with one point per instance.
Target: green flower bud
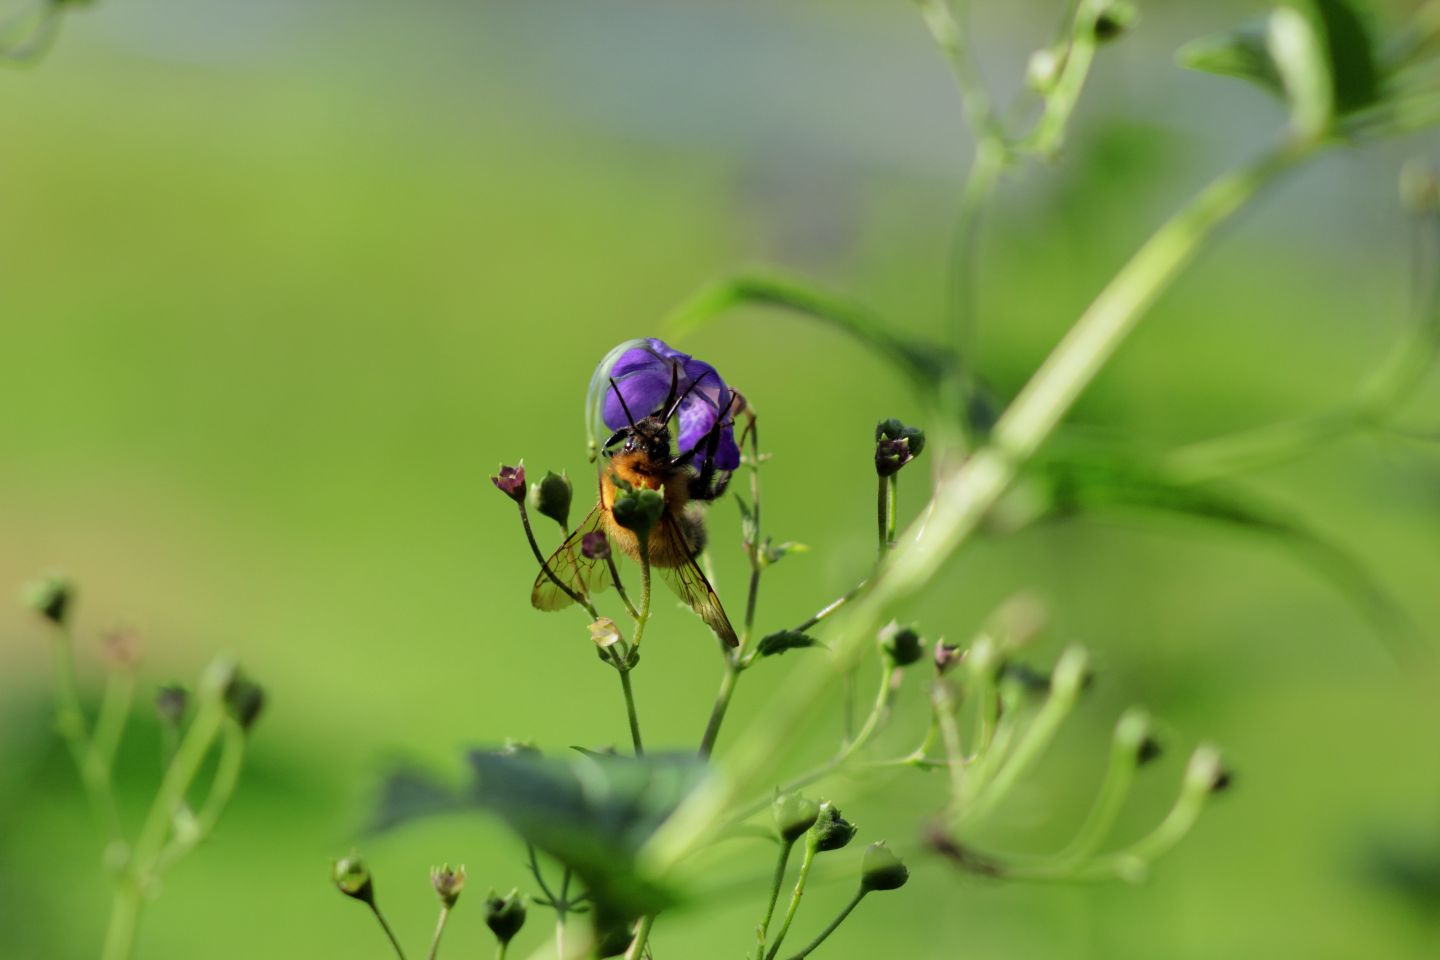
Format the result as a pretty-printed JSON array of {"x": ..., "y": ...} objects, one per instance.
[
  {"x": 505, "y": 915},
  {"x": 352, "y": 878},
  {"x": 171, "y": 701},
  {"x": 244, "y": 699},
  {"x": 794, "y": 815},
  {"x": 447, "y": 883},
  {"x": 881, "y": 870},
  {"x": 1115, "y": 20},
  {"x": 638, "y": 509},
  {"x": 1043, "y": 69},
  {"x": 551, "y": 498},
  {"x": 831, "y": 830},
  {"x": 51, "y": 596},
  {"x": 902, "y": 645}
]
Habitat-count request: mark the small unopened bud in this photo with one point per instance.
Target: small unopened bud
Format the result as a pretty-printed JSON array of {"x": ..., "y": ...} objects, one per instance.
[
  {"x": 352, "y": 878},
  {"x": 595, "y": 545},
  {"x": 1072, "y": 673},
  {"x": 947, "y": 655},
  {"x": 511, "y": 482},
  {"x": 881, "y": 869},
  {"x": 637, "y": 510},
  {"x": 244, "y": 699},
  {"x": 902, "y": 645},
  {"x": 1150, "y": 751},
  {"x": 794, "y": 815},
  {"x": 1206, "y": 772},
  {"x": 171, "y": 702},
  {"x": 505, "y": 915},
  {"x": 1420, "y": 188},
  {"x": 447, "y": 883},
  {"x": 896, "y": 445},
  {"x": 604, "y": 633},
  {"x": 51, "y": 597},
  {"x": 1115, "y": 20},
  {"x": 1043, "y": 69},
  {"x": 551, "y": 497},
  {"x": 831, "y": 830},
  {"x": 122, "y": 649}
]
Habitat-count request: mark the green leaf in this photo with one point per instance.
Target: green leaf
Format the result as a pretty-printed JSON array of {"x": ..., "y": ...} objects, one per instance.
[
  {"x": 1351, "y": 46},
  {"x": 777, "y": 643},
  {"x": 923, "y": 361},
  {"x": 1298, "y": 51},
  {"x": 749, "y": 525},
  {"x": 778, "y": 551},
  {"x": 1241, "y": 53}
]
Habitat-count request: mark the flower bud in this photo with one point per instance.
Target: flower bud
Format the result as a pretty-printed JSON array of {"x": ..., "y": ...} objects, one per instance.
[
  {"x": 604, "y": 633},
  {"x": 902, "y": 645},
  {"x": 447, "y": 883},
  {"x": 896, "y": 445},
  {"x": 244, "y": 699},
  {"x": 595, "y": 545},
  {"x": 511, "y": 482},
  {"x": 947, "y": 655},
  {"x": 881, "y": 870},
  {"x": 831, "y": 830},
  {"x": 505, "y": 915},
  {"x": 352, "y": 878},
  {"x": 1206, "y": 772},
  {"x": 171, "y": 702},
  {"x": 637, "y": 510},
  {"x": 51, "y": 597},
  {"x": 551, "y": 498},
  {"x": 1043, "y": 69},
  {"x": 1115, "y": 20},
  {"x": 122, "y": 649},
  {"x": 794, "y": 815}
]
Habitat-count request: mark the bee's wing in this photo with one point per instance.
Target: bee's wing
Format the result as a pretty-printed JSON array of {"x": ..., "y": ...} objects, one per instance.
[
  {"x": 690, "y": 584},
  {"x": 580, "y": 574}
]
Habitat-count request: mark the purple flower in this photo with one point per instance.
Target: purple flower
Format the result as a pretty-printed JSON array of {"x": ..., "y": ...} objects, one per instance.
[
  {"x": 595, "y": 545},
  {"x": 646, "y": 372}
]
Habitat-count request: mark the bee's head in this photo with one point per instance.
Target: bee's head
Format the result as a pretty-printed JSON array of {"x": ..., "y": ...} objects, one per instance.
[{"x": 650, "y": 436}]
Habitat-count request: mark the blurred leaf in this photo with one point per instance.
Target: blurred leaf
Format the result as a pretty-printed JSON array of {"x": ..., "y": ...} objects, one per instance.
[
  {"x": 777, "y": 643},
  {"x": 1092, "y": 479},
  {"x": 1319, "y": 55},
  {"x": 926, "y": 362},
  {"x": 749, "y": 525},
  {"x": 778, "y": 551},
  {"x": 591, "y": 812}
]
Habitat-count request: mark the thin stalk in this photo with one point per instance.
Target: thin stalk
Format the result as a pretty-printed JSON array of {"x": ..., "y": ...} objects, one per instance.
[
  {"x": 834, "y": 925},
  {"x": 892, "y": 499},
  {"x": 882, "y": 516},
  {"x": 832, "y": 606},
  {"x": 776, "y": 882},
  {"x": 631, "y": 713},
  {"x": 124, "y": 921},
  {"x": 722, "y": 704},
  {"x": 620, "y": 587},
  {"x": 545, "y": 566},
  {"x": 110, "y": 723},
  {"x": 181, "y": 773},
  {"x": 806, "y": 862},
  {"x": 73, "y": 728},
  {"x": 390, "y": 934},
  {"x": 967, "y": 492},
  {"x": 227, "y": 776},
  {"x": 1119, "y": 776},
  {"x": 439, "y": 929}
]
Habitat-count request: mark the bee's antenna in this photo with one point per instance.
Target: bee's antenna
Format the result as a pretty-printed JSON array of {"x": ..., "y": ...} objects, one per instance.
[
  {"x": 672, "y": 407},
  {"x": 621, "y": 397},
  {"x": 674, "y": 385}
]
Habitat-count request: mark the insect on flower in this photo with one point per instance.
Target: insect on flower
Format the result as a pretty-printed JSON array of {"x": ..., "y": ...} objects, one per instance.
[{"x": 638, "y": 389}]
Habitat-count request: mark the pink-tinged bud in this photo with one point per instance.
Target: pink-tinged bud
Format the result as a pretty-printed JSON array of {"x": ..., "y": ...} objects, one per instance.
[
  {"x": 511, "y": 482},
  {"x": 595, "y": 545}
]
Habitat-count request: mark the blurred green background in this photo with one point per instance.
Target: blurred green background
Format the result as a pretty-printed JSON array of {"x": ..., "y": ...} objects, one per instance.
[{"x": 281, "y": 284}]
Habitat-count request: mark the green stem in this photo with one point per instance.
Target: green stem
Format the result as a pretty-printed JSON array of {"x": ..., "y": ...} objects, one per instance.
[
  {"x": 71, "y": 724},
  {"x": 439, "y": 929},
  {"x": 390, "y": 934},
  {"x": 834, "y": 925},
  {"x": 642, "y": 937},
  {"x": 500, "y": 952},
  {"x": 620, "y": 588},
  {"x": 776, "y": 882},
  {"x": 795, "y": 895},
  {"x": 965, "y": 493},
  {"x": 1048, "y": 133},
  {"x": 980, "y": 183},
  {"x": 631, "y": 713},
  {"x": 892, "y": 498},
  {"x": 545, "y": 566},
  {"x": 882, "y": 516},
  {"x": 227, "y": 776},
  {"x": 1119, "y": 776},
  {"x": 110, "y": 724},
  {"x": 124, "y": 921},
  {"x": 722, "y": 704},
  {"x": 832, "y": 606}
]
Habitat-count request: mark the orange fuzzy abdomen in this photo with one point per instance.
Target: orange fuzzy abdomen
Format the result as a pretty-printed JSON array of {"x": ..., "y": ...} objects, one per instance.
[{"x": 639, "y": 471}]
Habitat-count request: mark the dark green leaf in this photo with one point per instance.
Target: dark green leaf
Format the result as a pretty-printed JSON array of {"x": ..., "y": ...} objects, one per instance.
[{"x": 778, "y": 643}]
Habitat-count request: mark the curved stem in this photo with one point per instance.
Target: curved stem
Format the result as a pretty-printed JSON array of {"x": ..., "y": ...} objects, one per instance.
[
  {"x": 776, "y": 882},
  {"x": 439, "y": 929},
  {"x": 795, "y": 895},
  {"x": 722, "y": 704},
  {"x": 227, "y": 776},
  {"x": 834, "y": 925},
  {"x": 390, "y": 934}
]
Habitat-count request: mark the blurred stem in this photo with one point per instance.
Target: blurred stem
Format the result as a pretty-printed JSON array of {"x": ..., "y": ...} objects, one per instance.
[
  {"x": 110, "y": 724},
  {"x": 439, "y": 929},
  {"x": 540, "y": 559},
  {"x": 795, "y": 895},
  {"x": 980, "y": 183},
  {"x": 124, "y": 921},
  {"x": 181, "y": 773},
  {"x": 942, "y": 699},
  {"x": 967, "y": 491},
  {"x": 642, "y": 937},
  {"x": 776, "y": 882},
  {"x": 227, "y": 776},
  {"x": 70, "y": 723},
  {"x": 1119, "y": 776},
  {"x": 834, "y": 924},
  {"x": 1048, "y": 133},
  {"x": 832, "y": 606}
]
